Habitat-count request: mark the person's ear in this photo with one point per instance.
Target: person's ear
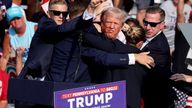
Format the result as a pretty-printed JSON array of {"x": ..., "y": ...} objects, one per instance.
[
  {"x": 48, "y": 14},
  {"x": 162, "y": 25},
  {"x": 139, "y": 44}
]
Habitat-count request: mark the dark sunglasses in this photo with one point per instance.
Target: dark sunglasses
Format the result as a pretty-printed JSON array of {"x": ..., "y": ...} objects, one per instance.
[
  {"x": 152, "y": 24},
  {"x": 57, "y": 13}
]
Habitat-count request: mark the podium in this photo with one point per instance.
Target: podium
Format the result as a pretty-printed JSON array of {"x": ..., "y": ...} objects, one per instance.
[{"x": 37, "y": 92}]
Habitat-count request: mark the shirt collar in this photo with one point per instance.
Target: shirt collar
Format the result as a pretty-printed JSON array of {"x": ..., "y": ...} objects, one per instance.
[{"x": 149, "y": 39}]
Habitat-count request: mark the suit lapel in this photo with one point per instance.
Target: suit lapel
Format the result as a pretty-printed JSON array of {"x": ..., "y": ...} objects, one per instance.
[{"x": 150, "y": 43}]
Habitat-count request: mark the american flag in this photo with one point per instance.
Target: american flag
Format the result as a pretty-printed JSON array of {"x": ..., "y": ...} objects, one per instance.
[{"x": 183, "y": 100}]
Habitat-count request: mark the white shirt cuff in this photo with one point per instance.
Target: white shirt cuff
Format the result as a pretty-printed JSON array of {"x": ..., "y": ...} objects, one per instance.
[
  {"x": 87, "y": 16},
  {"x": 131, "y": 59}
]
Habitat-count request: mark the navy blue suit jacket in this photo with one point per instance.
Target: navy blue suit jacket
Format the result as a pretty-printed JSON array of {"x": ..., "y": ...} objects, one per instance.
[
  {"x": 156, "y": 85},
  {"x": 159, "y": 50},
  {"x": 41, "y": 48}
]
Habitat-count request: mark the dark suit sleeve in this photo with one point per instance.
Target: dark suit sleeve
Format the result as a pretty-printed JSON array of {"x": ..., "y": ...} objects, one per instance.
[
  {"x": 99, "y": 42},
  {"x": 49, "y": 29},
  {"x": 46, "y": 26},
  {"x": 75, "y": 24},
  {"x": 104, "y": 58}
]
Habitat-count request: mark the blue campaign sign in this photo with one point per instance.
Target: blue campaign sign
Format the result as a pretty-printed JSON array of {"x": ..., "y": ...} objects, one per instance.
[{"x": 108, "y": 95}]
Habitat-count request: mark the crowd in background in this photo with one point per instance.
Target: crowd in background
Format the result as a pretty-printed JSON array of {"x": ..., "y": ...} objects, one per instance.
[{"x": 99, "y": 41}]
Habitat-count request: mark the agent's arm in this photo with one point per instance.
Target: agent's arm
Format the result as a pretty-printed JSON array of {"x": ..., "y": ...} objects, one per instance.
[{"x": 112, "y": 59}]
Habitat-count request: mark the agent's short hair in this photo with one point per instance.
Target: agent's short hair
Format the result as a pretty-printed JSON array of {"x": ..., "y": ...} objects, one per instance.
[
  {"x": 156, "y": 9},
  {"x": 55, "y": 2}
]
